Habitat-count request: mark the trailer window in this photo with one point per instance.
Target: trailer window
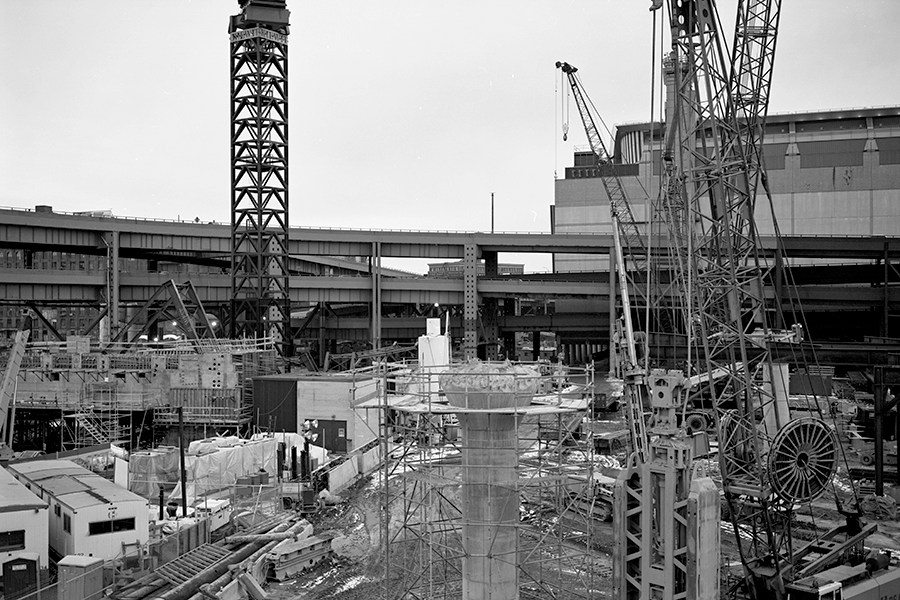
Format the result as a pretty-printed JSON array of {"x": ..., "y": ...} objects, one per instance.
[
  {"x": 101, "y": 527},
  {"x": 67, "y": 523},
  {"x": 12, "y": 540}
]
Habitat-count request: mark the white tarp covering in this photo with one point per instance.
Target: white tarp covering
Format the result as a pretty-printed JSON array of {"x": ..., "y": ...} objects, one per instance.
[
  {"x": 213, "y": 463},
  {"x": 220, "y": 466}
]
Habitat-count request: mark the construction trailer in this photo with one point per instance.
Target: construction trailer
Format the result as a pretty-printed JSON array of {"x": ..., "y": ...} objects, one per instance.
[
  {"x": 88, "y": 515},
  {"x": 24, "y": 525}
]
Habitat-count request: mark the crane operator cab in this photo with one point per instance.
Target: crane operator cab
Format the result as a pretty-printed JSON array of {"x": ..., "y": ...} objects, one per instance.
[{"x": 829, "y": 591}]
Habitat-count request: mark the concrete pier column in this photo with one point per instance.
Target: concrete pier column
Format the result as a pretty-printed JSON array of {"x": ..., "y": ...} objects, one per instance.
[{"x": 490, "y": 498}]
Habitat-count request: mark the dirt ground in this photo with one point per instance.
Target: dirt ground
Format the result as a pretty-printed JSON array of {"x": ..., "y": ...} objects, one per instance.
[{"x": 358, "y": 571}]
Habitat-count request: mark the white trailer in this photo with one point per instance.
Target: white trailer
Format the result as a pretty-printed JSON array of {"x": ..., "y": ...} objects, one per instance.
[
  {"x": 89, "y": 515},
  {"x": 24, "y": 525}
]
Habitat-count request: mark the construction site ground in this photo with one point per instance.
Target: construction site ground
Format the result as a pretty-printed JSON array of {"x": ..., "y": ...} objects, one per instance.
[{"x": 358, "y": 572}]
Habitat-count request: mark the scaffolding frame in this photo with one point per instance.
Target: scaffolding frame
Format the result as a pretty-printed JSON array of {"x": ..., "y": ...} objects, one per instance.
[{"x": 421, "y": 522}]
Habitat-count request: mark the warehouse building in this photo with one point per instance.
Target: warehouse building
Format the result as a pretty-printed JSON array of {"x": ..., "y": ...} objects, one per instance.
[{"x": 833, "y": 172}]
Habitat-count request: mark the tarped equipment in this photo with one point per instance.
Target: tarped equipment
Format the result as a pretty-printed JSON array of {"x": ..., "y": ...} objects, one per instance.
[
  {"x": 212, "y": 463},
  {"x": 147, "y": 470},
  {"x": 220, "y": 469}
]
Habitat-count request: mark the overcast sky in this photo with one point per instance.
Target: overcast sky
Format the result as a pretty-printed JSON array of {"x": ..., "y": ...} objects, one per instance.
[{"x": 403, "y": 114}]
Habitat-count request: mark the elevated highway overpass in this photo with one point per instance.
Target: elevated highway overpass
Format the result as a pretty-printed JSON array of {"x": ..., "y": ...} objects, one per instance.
[{"x": 203, "y": 249}]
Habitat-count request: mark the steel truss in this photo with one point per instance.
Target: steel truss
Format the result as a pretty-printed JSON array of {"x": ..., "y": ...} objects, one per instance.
[
  {"x": 556, "y": 554},
  {"x": 721, "y": 108},
  {"x": 260, "y": 302}
]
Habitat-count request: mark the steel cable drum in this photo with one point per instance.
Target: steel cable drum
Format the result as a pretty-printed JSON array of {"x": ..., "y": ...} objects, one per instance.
[{"x": 802, "y": 459}]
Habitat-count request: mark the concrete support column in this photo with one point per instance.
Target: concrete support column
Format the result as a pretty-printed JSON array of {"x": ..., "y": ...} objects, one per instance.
[
  {"x": 489, "y": 309},
  {"x": 470, "y": 301},
  {"x": 509, "y": 345},
  {"x": 490, "y": 495},
  {"x": 885, "y": 316},
  {"x": 111, "y": 328},
  {"x": 375, "y": 270},
  {"x": 779, "y": 287}
]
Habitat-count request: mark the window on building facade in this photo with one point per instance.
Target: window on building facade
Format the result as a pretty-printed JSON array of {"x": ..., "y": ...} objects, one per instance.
[
  {"x": 12, "y": 540},
  {"x": 67, "y": 523},
  {"x": 101, "y": 527}
]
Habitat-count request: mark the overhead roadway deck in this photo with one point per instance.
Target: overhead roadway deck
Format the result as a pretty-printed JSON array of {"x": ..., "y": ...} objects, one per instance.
[
  {"x": 823, "y": 287},
  {"x": 86, "y": 234}
]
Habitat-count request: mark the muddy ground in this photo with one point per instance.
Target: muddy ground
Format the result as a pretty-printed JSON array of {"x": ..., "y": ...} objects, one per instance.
[{"x": 359, "y": 570}]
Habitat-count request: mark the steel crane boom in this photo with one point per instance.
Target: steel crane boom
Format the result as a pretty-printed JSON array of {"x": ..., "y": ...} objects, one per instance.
[
  {"x": 765, "y": 457},
  {"x": 627, "y": 242},
  {"x": 623, "y": 217}
]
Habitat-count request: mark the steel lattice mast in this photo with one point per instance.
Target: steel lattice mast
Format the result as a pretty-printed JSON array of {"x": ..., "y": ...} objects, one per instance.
[{"x": 260, "y": 301}]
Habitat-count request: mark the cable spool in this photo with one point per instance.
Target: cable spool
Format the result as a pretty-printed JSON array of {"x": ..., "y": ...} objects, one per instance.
[{"x": 802, "y": 459}]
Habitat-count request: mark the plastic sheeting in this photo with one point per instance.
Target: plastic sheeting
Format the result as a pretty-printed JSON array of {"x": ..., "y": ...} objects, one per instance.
[
  {"x": 220, "y": 468},
  {"x": 212, "y": 464},
  {"x": 147, "y": 470}
]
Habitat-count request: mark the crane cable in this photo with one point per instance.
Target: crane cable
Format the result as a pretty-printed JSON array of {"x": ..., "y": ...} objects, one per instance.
[
  {"x": 564, "y": 107},
  {"x": 649, "y": 213}
]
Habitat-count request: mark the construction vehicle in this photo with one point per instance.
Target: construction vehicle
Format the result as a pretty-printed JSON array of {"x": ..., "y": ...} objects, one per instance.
[
  {"x": 767, "y": 459},
  {"x": 873, "y": 579},
  {"x": 8, "y": 393},
  {"x": 591, "y": 497}
]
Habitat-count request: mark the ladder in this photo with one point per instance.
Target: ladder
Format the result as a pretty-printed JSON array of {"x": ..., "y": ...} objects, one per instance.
[{"x": 188, "y": 565}]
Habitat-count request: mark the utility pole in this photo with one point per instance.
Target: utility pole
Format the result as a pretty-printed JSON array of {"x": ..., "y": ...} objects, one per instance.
[{"x": 181, "y": 457}]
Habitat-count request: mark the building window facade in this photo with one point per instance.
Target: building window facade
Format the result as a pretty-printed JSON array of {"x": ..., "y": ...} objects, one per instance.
[{"x": 12, "y": 540}]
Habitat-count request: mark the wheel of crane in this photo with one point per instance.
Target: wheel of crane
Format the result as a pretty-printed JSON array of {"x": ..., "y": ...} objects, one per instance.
[
  {"x": 696, "y": 422},
  {"x": 802, "y": 459}
]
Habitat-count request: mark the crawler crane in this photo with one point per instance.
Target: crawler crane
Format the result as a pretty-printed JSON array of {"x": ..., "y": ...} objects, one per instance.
[
  {"x": 768, "y": 461},
  {"x": 666, "y": 528}
]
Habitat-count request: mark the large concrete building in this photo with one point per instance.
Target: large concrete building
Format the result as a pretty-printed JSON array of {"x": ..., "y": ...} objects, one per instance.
[{"x": 833, "y": 172}]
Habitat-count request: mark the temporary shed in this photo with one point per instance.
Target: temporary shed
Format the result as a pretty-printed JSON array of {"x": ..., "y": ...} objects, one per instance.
[
  {"x": 90, "y": 515},
  {"x": 285, "y": 402},
  {"x": 23, "y": 521}
]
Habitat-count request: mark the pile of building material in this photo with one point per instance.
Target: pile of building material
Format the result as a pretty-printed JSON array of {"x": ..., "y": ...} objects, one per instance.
[{"x": 235, "y": 567}]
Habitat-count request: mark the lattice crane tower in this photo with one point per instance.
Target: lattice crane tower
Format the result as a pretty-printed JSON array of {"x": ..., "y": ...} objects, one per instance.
[{"x": 260, "y": 301}]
